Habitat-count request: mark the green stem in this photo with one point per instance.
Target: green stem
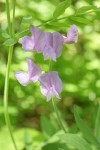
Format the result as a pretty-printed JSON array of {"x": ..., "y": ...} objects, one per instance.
[
  {"x": 7, "y": 119},
  {"x": 6, "y": 88},
  {"x": 13, "y": 22},
  {"x": 55, "y": 108},
  {"x": 51, "y": 20},
  {"x": 58, "y": 117},
  {"x": 97, "y": 123},
  {"x": 8, "y": 16},
  {"x": 23, "y": 33}
]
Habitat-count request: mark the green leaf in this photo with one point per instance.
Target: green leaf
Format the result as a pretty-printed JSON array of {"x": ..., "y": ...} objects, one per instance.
[
  {"x": 98, "y": 9},
  {"x": 97, "y": 123},
  {"x": 54, "y": 146},
  {"x": 81, "y": 20},
  {"x": 47, "y": 126},
  {"x": 5, "y": 35},
  {"x": 75, "y": 141},
  {"x": 60, "y": 24},
  {"x": 60, "y": 9},
  {"x": 10, "y": 42},
  {"x": 22, "y": 33},
  {"x": 84, "y": 128},
  {"x": 28, "y": 139},
  {"x": 85, "y": 9},
  {"x": 27, "y": 20}
]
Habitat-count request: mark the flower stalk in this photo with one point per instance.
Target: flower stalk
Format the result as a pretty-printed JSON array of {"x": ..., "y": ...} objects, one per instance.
[
  {"x": 6, "y": 88},
  {"x": 55, "y": 107},
  {"x": 58, "y": 117},
  {"x": 25, "y": 32}
]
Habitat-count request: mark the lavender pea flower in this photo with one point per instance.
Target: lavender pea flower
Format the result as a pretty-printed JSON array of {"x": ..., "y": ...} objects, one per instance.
[
  {"x": 50, "y": 85},
  {"x": 28, "y": 43},
  {"x": 53, "y": 45},
  {"x": 50, "y": 44},
  {"x": 35, "y": 42},
  {"x": 72, "y": 35},
  {"x": 33, "y": 74}
]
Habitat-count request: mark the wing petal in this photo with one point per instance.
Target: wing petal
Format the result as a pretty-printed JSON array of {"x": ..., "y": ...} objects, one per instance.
[
  {"x": 39, "y": 38},
  {"x": 34, "y": 71},
  {"x": 72, "y": 35},
  {"x": 22, "y": 77},
  {"x": 57, "y": 43},
  {"x": 28, "y": 43}
]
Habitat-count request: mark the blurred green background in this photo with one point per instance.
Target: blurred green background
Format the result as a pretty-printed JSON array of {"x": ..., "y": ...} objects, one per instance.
[{"x": 32, "y": 118}]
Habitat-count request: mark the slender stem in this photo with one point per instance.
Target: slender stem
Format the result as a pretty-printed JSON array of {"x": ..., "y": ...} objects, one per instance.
[
  {"x": 97, "y": 123},
  {"x": 55, "y": 108},
  {"x": 7, "y": 119},
  {"x": 53, "y": 20},
  {"x": 8, "y": 16},
  {"x": 23, "y": 33},
  {"x": 6, "y": 88},
  {"x": 13, "y": 22},
  {"x": 58, "y": 117}
]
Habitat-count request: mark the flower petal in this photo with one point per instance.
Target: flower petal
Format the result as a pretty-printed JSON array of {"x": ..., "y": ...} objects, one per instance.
[
  {"x": 33, "y": 70},
  {"x": 49, "y": 96},
  {"x": 49, "y": 39},
  {"x": 28, "y": 43},
  {"x": 39, "y": 38},
  {"x": 56, "y": 81},
  {"x": 22, "y": 77},
  {"x": 57, "y": 43},
  {"x": 50, "y": 85},
  {"x": 49, "y": 53},
  {"x": 45, "y": 82},
  {"x": 55, "y": 93},
  {"x": 72, "y": 35}
]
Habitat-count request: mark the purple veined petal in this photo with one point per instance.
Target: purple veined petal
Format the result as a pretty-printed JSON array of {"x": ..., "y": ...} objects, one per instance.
[
  {"x": 45, "y": 81},
  {"x": 49, "y": 39},
  {"x": 39, "y": 38},
  {"x": 55, "y": 93},
  {"x": 34, "y": 71},
  {"x": 48, "y": 96},
  {"x": 72, "y": 35},
  {"x": 45, "y": 85},
  {"x": 57, "y": 43},
  {"x": 46, "y": 92},
  {"x": 22, "y": 77},
  {"x": 49, "y": 53},
  {"x": 28, "y": 43},
  {"x": 50, "y": 85},
  {"x": 56, "y": 81}
]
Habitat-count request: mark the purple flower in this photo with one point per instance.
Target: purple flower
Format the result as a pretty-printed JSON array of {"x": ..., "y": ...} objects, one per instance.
[
  {"x": 39, "y": 39},
  {"x": 72, "y": 35},
  {"x": 53, "y": 45},
  {"x": 36, "y": 41},
  {"x": 28, "y": 43},
  {"x": 50, "y": 85},
  {"x": 33, "y": 74},
  {"x": 50, "y": 44}
]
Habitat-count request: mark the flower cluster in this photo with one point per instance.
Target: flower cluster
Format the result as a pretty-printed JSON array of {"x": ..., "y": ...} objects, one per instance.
[{"x": 50, "y": 45}]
